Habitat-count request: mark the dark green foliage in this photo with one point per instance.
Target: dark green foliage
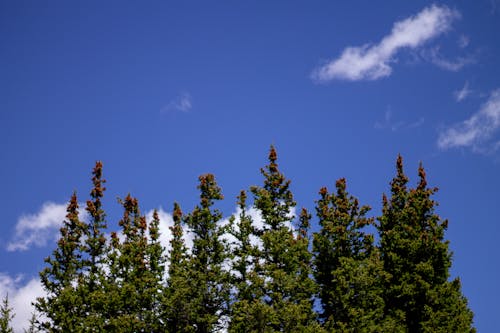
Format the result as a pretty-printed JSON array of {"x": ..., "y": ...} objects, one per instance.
[
  {"x": 417, "y": 259},
  {"x": 266, "y": 279},
  {"x": 178, "y": 312},
  {"x": 348, "y": 267},
  {"x": 287, "y": 301},
  {"x": 134, "y": 283},
  {"x": 6, "y": 316},
  {"x": 209, "y": 283},
  {"x": 63, "y": 306}
]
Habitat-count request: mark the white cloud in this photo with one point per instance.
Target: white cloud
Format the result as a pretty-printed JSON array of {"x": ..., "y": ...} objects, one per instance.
[
  {"x": 434, "y": 56},
  {"x": 477, "y": 131},
  {"x": 389, "y": 123},
  {"x": 371, "y": 62},
  {"x": 183, "y": 102},
  {"x": 36, "y": 229},
  {"x": 462, "y": 94},
  {"x": 21, "y": 295}
]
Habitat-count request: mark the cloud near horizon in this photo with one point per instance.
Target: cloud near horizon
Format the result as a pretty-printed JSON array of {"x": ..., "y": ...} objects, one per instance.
[
  {"x": 476, "y": 132},
  {"x": 21, "y": 294},
  {"x": 371, "y": 62}
]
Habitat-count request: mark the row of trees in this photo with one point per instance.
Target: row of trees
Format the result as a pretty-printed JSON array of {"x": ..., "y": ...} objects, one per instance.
[{"x": 276, "y": 277}]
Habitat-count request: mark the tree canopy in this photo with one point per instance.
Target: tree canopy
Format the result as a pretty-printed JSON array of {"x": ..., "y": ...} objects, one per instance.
[{"x": 268, "y": 268}]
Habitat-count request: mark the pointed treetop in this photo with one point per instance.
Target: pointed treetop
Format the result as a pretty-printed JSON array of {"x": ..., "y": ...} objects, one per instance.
[
  {"x": 398, "y": 183},
  {"x": 242, "y": 199},
  {"x": 209, "y": 190},
  {"x": 340, "y": 184},
  {"x": 177, "y": 214},
  {"x": 273, "y": 157},
  {"x": 421, "y": 173}
]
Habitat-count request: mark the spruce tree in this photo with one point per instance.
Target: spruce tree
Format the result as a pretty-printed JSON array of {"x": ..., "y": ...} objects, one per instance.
[
  {"x": 177, "y": 312},
  {"x": 287, "y": 302},
  {"x": 63, "y": 305},
  {"x": 91, "y": 284},
  {"x": 348, "y": 268},
  {"x": 6, "y": 316},
  {"x": 209, "y": 289},
  {"x": 245, "y": 280},
  {"x": 418, "y": 259}
]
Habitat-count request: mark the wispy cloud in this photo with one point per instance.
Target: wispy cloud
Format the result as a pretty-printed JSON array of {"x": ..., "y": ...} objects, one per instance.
[
  {"x": 371, "y": 62},
  {"x": 477, "y": 131},
  {"x": 21, "y": 294},
  {"x": 463, "y": 41},
  {"x": 463, "y": 93},
  {"x": 434, "y": 56},
  {"x": 390, "y": 124},
  {"x": 183, "y": 103}
]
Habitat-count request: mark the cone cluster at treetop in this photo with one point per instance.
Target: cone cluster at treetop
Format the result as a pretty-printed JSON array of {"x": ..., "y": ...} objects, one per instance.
[{"x": 274, "y": 277}]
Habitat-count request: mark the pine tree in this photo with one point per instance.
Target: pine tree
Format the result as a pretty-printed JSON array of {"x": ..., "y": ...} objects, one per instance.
[
  {"x": 287, "y": 302},
  {"x": 6, "y": 316},
  {"x": 32, "y": 328},
  {"x": 92, "y": 282},
  {"x": 209, "y": 290},
  {"x": 134, "y": 286},
  {"x": 347, "y": 266},
  {"x": 418, "y": 260},
  {"x": 63, "y": 305},
  {"x": 154, "y": 278},
  {"x": 177, "y": 310},
  {"x": 245, "y": 300}
]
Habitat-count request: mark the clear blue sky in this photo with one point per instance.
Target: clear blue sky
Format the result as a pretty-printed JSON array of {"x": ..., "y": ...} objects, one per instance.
[{"x": 164, "y": 91}]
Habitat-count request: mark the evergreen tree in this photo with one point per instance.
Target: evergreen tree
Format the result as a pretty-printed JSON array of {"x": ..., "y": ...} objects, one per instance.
[
  {"x": 32, "y": 328},
  {"x": 287, "y": 302},
  {"x": 154, "y": 277},
  {"x": 63, "y": 305},
  {"x": 6, "y": 316},
  {"x": 347, "y": 266},
  {"x": 177, "y": 309},
  {"x": 245, "y": 307},
  {"x": 209, "y": 289},
  {"x": 92, "y": 282},
  {"x": 418, "y": 260},
  {"x": 136, "y": 266}
]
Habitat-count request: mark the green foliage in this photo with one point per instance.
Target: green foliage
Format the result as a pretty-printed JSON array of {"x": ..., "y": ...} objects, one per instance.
[
  {"x": 267, "y": 279},
  {"x": 417, "y": 258},
  {"x": 178, "y": 311},
  {"x": 63, "y": 306},
  {"x": 6, "y": 316},
  {"x": 348, "y": 268},
  {"x": 209, "y": 283},
  {"x": 284, "y": 280}
]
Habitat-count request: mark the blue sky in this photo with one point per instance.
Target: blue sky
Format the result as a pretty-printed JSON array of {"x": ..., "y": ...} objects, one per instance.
[{"x": 165, "y": 91}]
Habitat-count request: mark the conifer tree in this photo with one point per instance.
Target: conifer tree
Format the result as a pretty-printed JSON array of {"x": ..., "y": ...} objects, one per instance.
[
  {"x": 347, "y": 266},
  {"x": 91, "y": 284},
  {"x": 245, "y": 279},
  {"x": 417, "y": 258},
  {"x": 63, "y": 305},
  {"x": 6, "y": 316},
  {"x": 287, "y": 299},
  {"x": 177, "y": 311},
  {"x": 136, "y": 265},
  {"x": 154, "y": 278},
  {"x": 32, "y": 328},
  {"x": 209, "y": 289}
]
